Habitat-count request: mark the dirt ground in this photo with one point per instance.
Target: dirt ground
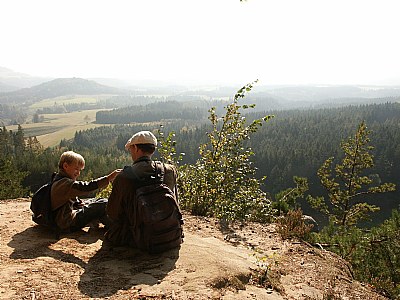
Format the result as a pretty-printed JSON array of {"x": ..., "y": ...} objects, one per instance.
[{"x": 214, "y": 262}]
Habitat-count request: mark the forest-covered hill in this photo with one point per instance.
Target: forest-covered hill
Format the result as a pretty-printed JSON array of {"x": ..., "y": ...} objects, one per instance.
[
  {"x": 4, "y": 88},
  {"x": 55, "y": 88},
  {"x": 18, "y": 91},
  {"x": 293, "y": 143}
]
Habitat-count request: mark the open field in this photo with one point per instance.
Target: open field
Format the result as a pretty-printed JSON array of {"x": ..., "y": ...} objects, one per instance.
[
  {"x": 56, "y": 127},
  {"x": 65, "y": 100}
]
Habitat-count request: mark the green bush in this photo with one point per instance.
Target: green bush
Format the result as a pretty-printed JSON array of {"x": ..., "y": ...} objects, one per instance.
[
  {"x": 222, "y": 182},
  {"x": 373, "y": 254},
  {"x": 287, "y": 200}
]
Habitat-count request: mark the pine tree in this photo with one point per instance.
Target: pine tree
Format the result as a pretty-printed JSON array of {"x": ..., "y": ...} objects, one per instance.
[
  {"x": 348, "y": 184},
  {"x": 10, "y": 180}
]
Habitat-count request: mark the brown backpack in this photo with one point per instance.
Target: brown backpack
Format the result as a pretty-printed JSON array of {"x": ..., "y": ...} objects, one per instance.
[{"x": 157, "y": 222}]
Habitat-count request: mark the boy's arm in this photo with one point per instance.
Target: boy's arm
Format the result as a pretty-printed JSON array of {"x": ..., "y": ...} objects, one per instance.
[
  {"x": 83, "y": 187},
  {"x": 67, "y": 189}
]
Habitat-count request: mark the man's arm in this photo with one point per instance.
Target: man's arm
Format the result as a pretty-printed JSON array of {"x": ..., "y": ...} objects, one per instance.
[{"x": 114, "y": 205}]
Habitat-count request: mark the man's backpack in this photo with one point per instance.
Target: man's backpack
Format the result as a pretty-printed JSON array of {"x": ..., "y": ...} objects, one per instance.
[
  {"x": 157, "y": 221},
  {"x": 42, "y": 213}
]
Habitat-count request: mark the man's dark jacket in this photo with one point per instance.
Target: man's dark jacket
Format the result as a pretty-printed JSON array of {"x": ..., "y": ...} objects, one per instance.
[{"x": 121, "y": 201}]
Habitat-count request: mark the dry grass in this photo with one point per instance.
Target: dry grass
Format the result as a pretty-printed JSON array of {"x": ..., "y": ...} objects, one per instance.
[
  {"x": 65, "y": 100},
  {"x": 293, "y": 225}
]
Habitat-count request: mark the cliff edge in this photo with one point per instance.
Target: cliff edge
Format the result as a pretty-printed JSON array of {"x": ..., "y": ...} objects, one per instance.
[{"x": 214, "y": 262}]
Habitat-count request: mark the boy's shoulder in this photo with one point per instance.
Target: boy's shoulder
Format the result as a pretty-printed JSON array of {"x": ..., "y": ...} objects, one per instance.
[
  {"x": 62, "y": 183},
  {"x": 61, "y": 175}
]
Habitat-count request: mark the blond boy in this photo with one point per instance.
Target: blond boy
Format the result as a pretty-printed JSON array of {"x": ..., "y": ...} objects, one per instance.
[{"x": 71, "y": 213}]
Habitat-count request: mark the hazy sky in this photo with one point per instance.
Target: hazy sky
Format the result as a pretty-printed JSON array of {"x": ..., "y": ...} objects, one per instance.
[{"x": 205, "y": 41}]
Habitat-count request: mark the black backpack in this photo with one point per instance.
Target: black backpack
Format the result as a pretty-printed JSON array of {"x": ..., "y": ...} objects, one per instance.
[
  {"x": 42, "y": 213},
  {"x": 157, "y": 220}
]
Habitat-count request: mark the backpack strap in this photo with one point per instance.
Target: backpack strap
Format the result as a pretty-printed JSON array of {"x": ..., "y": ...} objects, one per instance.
[
  {"x": 160, "y": 171},
  {"x": 158, "y": 176},
  {"x": 56, "y": 177}
]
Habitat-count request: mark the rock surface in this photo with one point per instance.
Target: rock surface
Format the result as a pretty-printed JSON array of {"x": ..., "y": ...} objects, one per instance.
[{"x": 214, "y": 262}]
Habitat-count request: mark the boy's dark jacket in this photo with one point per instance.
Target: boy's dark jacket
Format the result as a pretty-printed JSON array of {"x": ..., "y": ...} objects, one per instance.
[{"x": 65, "y": 193}]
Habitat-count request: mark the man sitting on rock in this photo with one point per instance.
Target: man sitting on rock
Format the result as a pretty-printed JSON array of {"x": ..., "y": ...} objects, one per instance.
[{"x": 142, "y": 206}]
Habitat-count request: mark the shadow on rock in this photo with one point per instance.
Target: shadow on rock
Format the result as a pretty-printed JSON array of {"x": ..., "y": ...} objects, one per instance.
[
  {"x": 121, "y": 268},
  {"x": 111, "y": 269},
  {"x": 35, "y": 242}
]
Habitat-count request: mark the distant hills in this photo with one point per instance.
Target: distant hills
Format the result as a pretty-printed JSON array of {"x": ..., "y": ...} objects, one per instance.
[
  {"x": 21, "y": 89},
  {"x": 4, "y": 88},
  {"x": 58, "y": 87},
  {"x": 12, "y": 81}
]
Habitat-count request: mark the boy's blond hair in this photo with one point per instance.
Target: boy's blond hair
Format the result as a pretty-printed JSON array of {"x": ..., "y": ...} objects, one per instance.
[{"x": 70, "y": 157}]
